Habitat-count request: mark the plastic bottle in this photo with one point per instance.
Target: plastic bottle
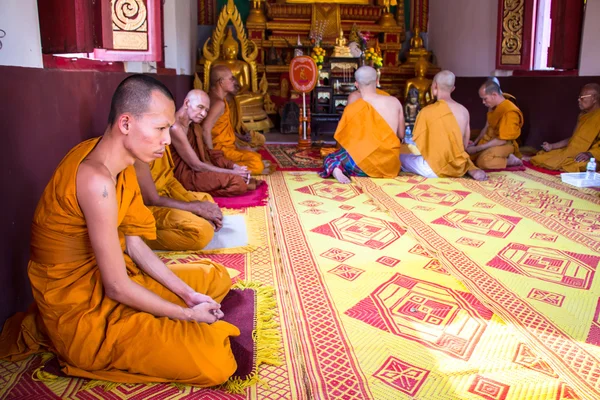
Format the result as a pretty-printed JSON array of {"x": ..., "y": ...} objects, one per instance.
[
  {"x": 408, "y": 136},
  {"x": 591, "y": 169}
]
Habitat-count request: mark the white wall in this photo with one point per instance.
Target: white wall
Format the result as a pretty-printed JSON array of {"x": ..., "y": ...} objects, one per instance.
[
  {"x": 180, "y": 22},
  {"x": 589, "y": 63},
  {"x": 462, "y": 35},
  {"x": 22, "y": 46}
]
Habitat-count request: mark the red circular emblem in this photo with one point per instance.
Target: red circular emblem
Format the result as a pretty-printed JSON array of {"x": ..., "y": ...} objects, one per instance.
[{"x": 303, "y": 74}]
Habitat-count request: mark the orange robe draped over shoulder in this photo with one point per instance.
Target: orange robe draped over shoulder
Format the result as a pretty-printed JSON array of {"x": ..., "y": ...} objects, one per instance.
[
  {"x": 504, "y": 123},
  {"x": 214, "y": 183},
  {"x": 223, "y": 136},
  {"x": 177, "y": 230},
  {"x": 370, "y": 141},
  {"x": 94, "y": 336},
  {"x": 586, "y": 138},
  {"x": 439, "y": 139}
]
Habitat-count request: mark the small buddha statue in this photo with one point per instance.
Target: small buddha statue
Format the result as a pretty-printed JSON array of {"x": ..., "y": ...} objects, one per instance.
[
  {"x": 420, "y": 83},
  {"x": 412, "y": 107},
  {"x": 417, "y": 50},
  {"x": 239, "y": 68},
  {"x": 340, "y": 49}
]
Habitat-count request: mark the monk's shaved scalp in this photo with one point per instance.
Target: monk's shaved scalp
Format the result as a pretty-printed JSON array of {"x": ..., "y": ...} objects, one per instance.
[
  {"x": 366, "y": 76},
  {"x": 492, "y": 86},
  {"x": 133, "y": 96},
  {"x": 593, "y": 87},
  {"x": 217, "y": 73},
  {"x": 445, "y": 80},
  {"x": 197, "y": 96}
]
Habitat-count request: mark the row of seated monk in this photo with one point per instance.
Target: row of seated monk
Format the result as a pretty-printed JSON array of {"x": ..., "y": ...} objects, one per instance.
[
  {"x": 107, "y": 305},
  {"x": 104, "y": 302},
  {"x": 372, "y": 129}
]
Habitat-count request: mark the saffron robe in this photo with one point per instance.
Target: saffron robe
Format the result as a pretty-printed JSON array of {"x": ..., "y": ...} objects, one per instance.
[
  {"x": 214, "y": 183},
  {"x": 439, "y": 140},
  {"x": 586, "y": 138},
  {"x": 257, "y": 140},
  {"x": 370, "y": 141},
  {"x": 223, "y": 136},
  {"x": 94, "y": 336},
  {"x": 504, "y": 123},
  {"x": 177, "y": 230}
]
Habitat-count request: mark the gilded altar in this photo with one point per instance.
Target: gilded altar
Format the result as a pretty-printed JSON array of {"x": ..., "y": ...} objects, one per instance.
[{"x": 277, "y": 29}]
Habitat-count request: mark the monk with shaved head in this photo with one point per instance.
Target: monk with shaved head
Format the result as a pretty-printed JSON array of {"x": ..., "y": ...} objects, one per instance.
[
  {"x": 369, "y": 134},
  {"x": 572, "y": 154},
  {"x": 197, "y": 167},
  {"x": 441, "y": 134},
  {"x": 496, "y": 147},
  {"x": 105, "y": 304},
  {"x": 218, "y": 130}
]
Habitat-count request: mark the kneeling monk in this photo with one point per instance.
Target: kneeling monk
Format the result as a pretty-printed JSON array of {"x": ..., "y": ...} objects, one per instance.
[
  {"x": 369, "y": 134},
  {"x": 219, "y": 132},
  {"x": 197, "y": 168},
  {"x": 104, "y": 302},
  {"x": 572, "y": 155},
  {"x": 496, "y": 147},
  {"x": 442, "y": 135}
]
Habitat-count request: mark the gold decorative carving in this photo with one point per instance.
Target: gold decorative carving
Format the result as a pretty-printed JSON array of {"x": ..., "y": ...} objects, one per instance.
[
  {"x": 512, "y": 31},
  {"x": 330, "y": 13},
  {"x": 212, "y": 47},
  {"x": 130, "y": 24}
]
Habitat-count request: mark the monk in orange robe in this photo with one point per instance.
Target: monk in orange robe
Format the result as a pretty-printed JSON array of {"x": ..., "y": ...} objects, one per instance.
[
  {"x": 218, "y": 129},
  {"x": 369, "y": 134},
  {"x": 442, "y": 135},
  {"x": 496, "y": 147},
  {"x": 184, "y": 220},
  {"x": 572, "y": 155},
  {"x": 197, "y": 168},
  {"x": 104, "y": 302}
]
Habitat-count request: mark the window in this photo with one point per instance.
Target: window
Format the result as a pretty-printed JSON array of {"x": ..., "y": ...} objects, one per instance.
[{"x": 539, "y": 34}]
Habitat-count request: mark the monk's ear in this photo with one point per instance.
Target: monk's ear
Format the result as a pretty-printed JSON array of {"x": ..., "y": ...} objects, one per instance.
[
  {"x": 124, "y": 122},
  {"x": 453, "y": 87}
]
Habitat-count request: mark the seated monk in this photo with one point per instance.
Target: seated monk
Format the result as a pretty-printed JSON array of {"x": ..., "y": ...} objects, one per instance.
[
  {"x": 442, "y": 135},
  {"x": 197, "y": 168},
  {"x": 184, "y": 220},
  {"x": 104, "y": 302},
  {"x": 369, "y": 134},
  {"x": 572, "y": 155},
  {"x": 496, "y": 146},
  {"x": 218, "y": 128}
]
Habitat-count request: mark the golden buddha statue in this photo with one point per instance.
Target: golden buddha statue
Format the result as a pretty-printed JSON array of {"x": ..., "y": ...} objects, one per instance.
[
  {"x": 340, "y": 49},
  {"x": 420, "y": 83},
  {"x": 417, "y": 50},
  {"x": 239, "y": 68}
]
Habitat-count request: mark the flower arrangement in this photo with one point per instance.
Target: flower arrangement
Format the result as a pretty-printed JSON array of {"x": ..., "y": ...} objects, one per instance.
[
  {"x": 318, "y": 54},
  {"x": 373, "y": 56}
]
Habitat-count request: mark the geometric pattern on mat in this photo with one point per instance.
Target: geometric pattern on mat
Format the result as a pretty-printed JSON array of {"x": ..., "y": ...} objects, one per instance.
[
  {"x": 540, "y": 279},
  {"x": 288, "y": 157},
  {"x": 257, "y": 266},
  {"x": 376, "y": 323}
]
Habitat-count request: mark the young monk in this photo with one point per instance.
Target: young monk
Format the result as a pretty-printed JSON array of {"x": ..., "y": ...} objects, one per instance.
[
  {"x": 196, "y": 167},
  {"x": 184, "y": 220},
  {"x": 572, "y": 154},
  {"x": 369, "y": 134},
  {"x": 496, "y": 146},
  {"x": 104, "y": 302},
  {"x": 442, "y": 134},
  {"x": 219, "y": 132}
]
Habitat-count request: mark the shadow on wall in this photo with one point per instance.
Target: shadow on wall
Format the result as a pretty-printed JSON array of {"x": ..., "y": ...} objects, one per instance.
[
  {"x": 549, "y": 104},
  {"x": 45, "y": 113}
]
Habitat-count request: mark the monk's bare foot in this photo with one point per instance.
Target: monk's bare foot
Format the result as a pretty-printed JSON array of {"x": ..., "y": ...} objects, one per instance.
[
  {"x": 339, "y": 175},
  {"x": 478, "y": 175},
  {"x": 526, "y": 158},
  {"x": 513, "y": 161},
  {"x": 266, "y": 163}
]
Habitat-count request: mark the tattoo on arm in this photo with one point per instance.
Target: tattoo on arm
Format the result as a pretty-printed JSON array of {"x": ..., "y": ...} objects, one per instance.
[{"x": 105, "y": 193}]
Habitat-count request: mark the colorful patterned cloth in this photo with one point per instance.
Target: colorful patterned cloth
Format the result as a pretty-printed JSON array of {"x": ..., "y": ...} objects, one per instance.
[{"x": 340, "y": 159}]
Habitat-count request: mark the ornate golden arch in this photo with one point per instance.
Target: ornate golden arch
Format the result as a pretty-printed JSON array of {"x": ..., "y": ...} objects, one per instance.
[{"x": 212, "y": 47}]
